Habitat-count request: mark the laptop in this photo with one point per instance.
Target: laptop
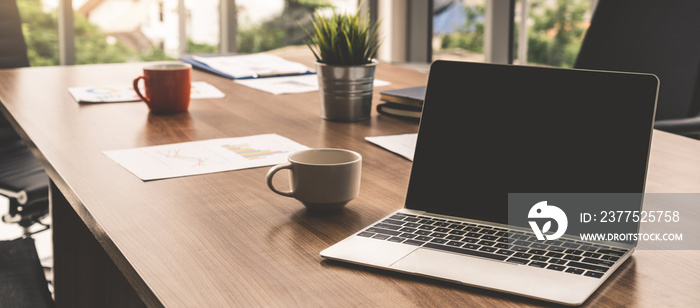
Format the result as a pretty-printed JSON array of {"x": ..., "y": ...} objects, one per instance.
[{"x": 491, "y": 134}]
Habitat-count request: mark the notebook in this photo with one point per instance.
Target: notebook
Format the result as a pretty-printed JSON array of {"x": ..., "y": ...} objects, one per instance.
[
  {"x": 527, "y": 142},
  {"x": 410, "y": 96}
]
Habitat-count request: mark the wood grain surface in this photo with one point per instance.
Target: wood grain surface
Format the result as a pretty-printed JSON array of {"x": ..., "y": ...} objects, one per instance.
[{"x": 225, "y": 239}]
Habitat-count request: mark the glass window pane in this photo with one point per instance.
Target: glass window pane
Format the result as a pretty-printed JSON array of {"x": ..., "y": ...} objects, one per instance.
[
  {"x": 40, "y": 29},
  {"x": 273, "y": 24},
  {"x": 110, "y": 31},
  {"x": 458, "y": 30},
  {"x": 555, "y": 30},
  {"x": 202, "y": 26}
]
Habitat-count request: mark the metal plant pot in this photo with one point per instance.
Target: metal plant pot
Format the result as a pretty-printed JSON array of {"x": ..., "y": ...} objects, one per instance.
[{"x": 346, "y": 91}]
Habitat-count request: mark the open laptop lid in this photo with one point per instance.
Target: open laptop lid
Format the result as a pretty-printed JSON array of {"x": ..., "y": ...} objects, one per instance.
[{"x": 488, "y": 130}]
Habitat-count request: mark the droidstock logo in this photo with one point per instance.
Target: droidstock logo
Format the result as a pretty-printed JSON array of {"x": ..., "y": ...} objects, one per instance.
[{"x": 542, "y": 210}]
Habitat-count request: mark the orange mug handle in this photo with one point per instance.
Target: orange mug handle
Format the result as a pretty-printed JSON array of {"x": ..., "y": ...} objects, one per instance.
[{"x": 138, "y": 92}]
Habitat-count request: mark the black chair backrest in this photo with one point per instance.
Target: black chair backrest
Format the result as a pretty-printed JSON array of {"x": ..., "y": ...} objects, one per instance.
[
  {"x": 649, "y": 36},
  {"x": 13, "y": 53},
  {"x": 13, "y": 49},
  {"x": 22, "y": 281},
  {"x": 19, "y": 170}
]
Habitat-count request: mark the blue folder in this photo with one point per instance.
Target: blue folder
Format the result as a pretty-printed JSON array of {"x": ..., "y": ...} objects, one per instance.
[{"x": 204, "y": 67}]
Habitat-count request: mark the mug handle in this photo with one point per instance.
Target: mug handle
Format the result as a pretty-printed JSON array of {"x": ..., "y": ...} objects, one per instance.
[
  {"x": 138, "y": 92},
  {"x": 271, "y": 174}
]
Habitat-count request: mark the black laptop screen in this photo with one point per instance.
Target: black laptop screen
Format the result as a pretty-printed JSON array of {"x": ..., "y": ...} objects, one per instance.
[{"x": 489, "y": 130}]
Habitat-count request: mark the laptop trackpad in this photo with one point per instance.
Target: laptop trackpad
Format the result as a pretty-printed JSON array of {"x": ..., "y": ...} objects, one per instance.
[
  {"x": 511, "y": 278},
  {"x": 447, "y": 266},
  {"x": 367, "y": 251}
]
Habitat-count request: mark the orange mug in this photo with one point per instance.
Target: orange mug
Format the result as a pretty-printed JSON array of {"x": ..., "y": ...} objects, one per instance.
[{"x": 167, "y": 86}]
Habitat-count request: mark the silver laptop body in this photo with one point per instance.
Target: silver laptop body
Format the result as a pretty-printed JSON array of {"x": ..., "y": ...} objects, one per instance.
[{"x": 488, "y": 131}]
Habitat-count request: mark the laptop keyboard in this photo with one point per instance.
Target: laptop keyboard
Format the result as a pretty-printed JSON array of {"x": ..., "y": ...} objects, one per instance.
[{"x": 498, "y": 244}]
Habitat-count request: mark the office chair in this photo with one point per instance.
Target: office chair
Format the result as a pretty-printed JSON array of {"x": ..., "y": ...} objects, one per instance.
[
  {"x": 651, "y": 36},
  {"x": 14, "y": 50},
  {"x": 22, "y": 281},
  {"x": 22, "y": 179}
]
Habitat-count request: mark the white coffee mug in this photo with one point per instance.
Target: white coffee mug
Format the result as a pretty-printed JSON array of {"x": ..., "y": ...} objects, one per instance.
[{"x": 322, "y": 179}]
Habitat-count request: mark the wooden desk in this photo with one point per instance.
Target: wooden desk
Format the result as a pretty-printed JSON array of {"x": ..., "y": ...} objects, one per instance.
[{"x": 224, "y": 239}]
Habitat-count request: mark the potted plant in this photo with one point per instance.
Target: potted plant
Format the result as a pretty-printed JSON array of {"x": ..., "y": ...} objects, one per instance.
[{"x": 345, "y": 46}]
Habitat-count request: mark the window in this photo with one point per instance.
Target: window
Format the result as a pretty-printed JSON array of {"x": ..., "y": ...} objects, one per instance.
[
  {"x": 552, "y": 30},
  {"x": 267, "y": 25},
  {"x": 39, "y": 26},
  {"x": 458, "y": 30},
  {"x": 107, "y": 31},
  {"x": 112, "y": 31},
  {"x": 553, "y": 33},
  {"x": 202, "y": 26}
]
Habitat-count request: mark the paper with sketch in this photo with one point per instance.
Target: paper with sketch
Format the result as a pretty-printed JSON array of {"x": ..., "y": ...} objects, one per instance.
[
  {"x": 254, "y": 65},
  {"x": 404, "y": 145},
  {"x": 290, "y": 84},
  {"x": 207, "y": 156},
  {"x": 125, "y": 93}
]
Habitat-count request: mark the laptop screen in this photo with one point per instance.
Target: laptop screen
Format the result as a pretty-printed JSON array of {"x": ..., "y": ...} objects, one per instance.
[{"x": 488, "y": 130}]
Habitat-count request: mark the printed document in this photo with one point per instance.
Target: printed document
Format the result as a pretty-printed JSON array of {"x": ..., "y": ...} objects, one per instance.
[
  {"x": 404, "y": 144},
  {"x": 125, "y": 93},
  {"x": 207, "y": 156},
  {"x": 290, "y": 84}
]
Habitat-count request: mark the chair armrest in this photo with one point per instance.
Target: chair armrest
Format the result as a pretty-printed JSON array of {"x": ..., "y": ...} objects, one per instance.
[
  {"x": 21, "y": 196},
  {"x": 679, "y": 126}
]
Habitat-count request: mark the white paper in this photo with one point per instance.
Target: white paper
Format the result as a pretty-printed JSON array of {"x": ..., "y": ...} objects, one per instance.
[
  {"x": 202, "y": 89},
  {"x": 283, "y": 85},
  {"x": 208, "y": 156},
  {"x": 254, "y": 65},
  {"x": 380, "y": 83},
  {"x": 125, "y": 93},
  {"x": 104, "y": 94},
  {"x": 290, "y": 84},
  {"x": 404, "y": 144}
]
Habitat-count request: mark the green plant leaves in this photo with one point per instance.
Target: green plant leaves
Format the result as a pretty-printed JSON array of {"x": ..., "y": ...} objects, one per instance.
[{"x": 343, "y": 39}]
